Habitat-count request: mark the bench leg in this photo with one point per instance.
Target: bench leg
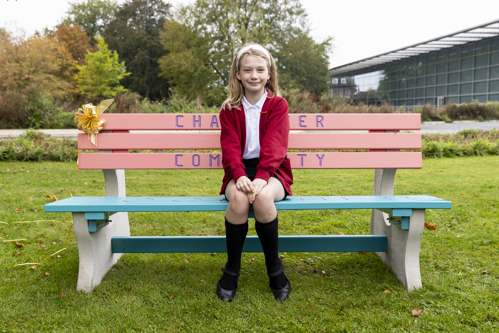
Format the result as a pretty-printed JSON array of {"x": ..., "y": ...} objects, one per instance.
[
  {"x": 403, "y": 246},
  {"x": 94, "y": 249}
]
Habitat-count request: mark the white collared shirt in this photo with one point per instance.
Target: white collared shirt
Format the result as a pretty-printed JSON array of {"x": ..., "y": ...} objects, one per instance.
[{"x": 252, "y": 116}]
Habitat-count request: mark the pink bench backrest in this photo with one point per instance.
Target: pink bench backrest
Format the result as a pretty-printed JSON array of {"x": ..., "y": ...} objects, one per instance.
[{"x": 379, "y": 134}]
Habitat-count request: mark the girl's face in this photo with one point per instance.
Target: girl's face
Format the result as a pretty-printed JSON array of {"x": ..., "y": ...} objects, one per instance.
[{"x": 253, "y": 74}]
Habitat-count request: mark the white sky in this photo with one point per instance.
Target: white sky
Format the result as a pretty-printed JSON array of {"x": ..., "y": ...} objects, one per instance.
[{"x": 360, "y": 29}]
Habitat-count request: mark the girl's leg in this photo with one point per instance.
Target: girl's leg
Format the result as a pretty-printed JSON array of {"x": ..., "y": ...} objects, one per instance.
[
  {"x": 236, "y": 228},
  {"x": 266, "y": 225}
]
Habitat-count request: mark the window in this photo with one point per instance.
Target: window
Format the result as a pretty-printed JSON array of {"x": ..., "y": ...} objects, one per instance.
[
  {"x": 343, "y": 80},
  {"x": 347, "y": 93},
  {"x": 334, "y": 81}
]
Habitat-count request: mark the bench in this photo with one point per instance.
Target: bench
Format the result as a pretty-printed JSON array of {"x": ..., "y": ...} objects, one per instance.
[{"x": 319, "y": 141}]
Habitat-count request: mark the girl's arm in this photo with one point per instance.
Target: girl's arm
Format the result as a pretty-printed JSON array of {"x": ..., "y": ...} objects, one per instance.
[
  {"x": 274, "y": 144},
  {"x": 232, "y": 156}
]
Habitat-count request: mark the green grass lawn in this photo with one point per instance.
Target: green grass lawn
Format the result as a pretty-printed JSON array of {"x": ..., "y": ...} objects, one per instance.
[{"x": 338, "y": 292}]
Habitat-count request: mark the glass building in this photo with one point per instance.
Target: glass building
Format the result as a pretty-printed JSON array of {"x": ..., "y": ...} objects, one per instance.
[{"x": 456, "y": 68}]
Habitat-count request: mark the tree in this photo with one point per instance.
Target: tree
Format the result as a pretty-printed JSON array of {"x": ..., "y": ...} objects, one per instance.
[
  {"x": 134, "y": 34},
  {"x": 186, "y": 66},
  {"x": 75, "y": 41},
  {"x": 92, "y": 15},
  {"x": 225, "y": 25},
  {"x": 30, "y": 62},
  {"x": 71, "y": 44},
  {"x": 303, "y": 63},
  {"x": 100, "y": 78},
  {"x": 30, "y": 79}
]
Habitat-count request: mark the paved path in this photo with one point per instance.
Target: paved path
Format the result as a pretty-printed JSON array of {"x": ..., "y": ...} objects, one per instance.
[{"x": 428, "y": 127}]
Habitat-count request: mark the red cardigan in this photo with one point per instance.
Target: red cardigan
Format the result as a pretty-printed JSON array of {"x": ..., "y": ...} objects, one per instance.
[{"x": 274, "y": 131}]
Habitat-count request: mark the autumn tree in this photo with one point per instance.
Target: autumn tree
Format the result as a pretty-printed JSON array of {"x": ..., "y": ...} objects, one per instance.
[
  {"x": 134, "y": 34},
  {"x": 100, "y": 77},
  {"x": 92, "y": 15},
  {"x": 71, "y": 44},
  {"x": 29, "y": 77},
  {"x": 220, "y": 27}
]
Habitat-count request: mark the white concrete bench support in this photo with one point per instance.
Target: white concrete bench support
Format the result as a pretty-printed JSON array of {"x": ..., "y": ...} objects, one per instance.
[{"x": 403, "y": 246}]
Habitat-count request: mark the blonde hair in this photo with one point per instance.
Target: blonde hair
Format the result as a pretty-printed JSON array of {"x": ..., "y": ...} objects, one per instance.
[{"x": 236, "y": 88}]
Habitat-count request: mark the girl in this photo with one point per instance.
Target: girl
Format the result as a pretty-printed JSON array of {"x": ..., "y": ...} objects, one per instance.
[{"x": 254, "y": 139}]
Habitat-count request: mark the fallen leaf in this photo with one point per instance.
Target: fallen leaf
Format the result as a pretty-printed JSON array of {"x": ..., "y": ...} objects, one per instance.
[
  {"x": 251, "y": 259},
  {"x": 42, "y": 246},
  {"x": 186, "y": 261},
  {"x": 27, "y": 182},
  {"x": 126, "y": 316},
  {"x": 416, "y": 312},
  {"x": 62, "y": 294},
  {"x": 16, "y": 254},
  {"x": 206, "y": 219},
  {"x": 20, "y": 244},
  {"x": 31, "y": 199},
  {"x": 53, "y": 243},
  {"x": 46, "y": 273},
  {"x": 387, "y": 291},
  {"x": 94, "y": 180},
  {"x": 33, "y": 267},
  {"x": 40, "y": 242},
  {"x": 340, "y": 233},
  {"x": 18, "y": 210},
  {"x": 485, "y": 272},
  {"x": 430, "y": 226},
  {"x": 171, "y": 298},
  {"x": 35, "y": 210},
  {"x": 53, "y": 197},
  {"x": 65, "y": 220},
  {"x": 213, "y": 254},
  {"x": 47, "y": 195}
]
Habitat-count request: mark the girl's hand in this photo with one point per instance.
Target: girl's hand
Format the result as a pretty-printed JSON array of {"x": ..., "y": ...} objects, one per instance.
[
  {"x": 245, "y": 185},
  {"x": 259, "y": 184}
]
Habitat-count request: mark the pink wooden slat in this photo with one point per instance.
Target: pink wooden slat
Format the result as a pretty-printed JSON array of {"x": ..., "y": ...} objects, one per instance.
[
  {"x": 343, "y": 160},
  {"x": 200, "y": 141},
  {"x": 311, "y": 121}
]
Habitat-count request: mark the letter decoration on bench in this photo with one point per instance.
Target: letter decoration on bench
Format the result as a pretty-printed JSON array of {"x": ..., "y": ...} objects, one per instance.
[{"x": 101, "y": 223}]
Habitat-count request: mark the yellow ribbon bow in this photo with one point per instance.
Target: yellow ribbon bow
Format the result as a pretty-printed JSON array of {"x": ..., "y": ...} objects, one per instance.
[{"x": 88, "y": 121}]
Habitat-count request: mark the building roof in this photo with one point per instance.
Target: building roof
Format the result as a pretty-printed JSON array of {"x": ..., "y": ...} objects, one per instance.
[{"x": 462, "y": 37}]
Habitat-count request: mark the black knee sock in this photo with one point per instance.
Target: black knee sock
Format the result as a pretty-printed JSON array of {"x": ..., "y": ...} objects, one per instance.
[
  {"x": 269, "y": 238},
  {"x": 235, "y": 234}
]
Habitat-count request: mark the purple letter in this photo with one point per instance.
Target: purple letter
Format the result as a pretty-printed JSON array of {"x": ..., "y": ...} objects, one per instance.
[
  {"x": 214, "y": 121},
  {"x": 320, "y": 159},
  {"x": 194, "y": 121},
  {"x": 194, "y": 159},
  {"x": 318, "y": 120},
  {"x": 301, "y": 158},
  {"x": 216, "y": 158},
  {"x": 176, "y": 120},
  {"x": 301, "y": 121},
  {"x": 176, "y": 161}
]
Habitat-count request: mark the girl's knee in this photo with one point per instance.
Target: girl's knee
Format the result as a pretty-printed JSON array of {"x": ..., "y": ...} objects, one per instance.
[
  {"x": 264, "y": 201},
  {"x": 239, "y": 202}
]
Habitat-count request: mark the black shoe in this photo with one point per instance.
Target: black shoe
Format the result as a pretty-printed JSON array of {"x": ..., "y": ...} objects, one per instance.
[
  {"x": 224, "y": 294},
  {"x": 282, "y": 293}
]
